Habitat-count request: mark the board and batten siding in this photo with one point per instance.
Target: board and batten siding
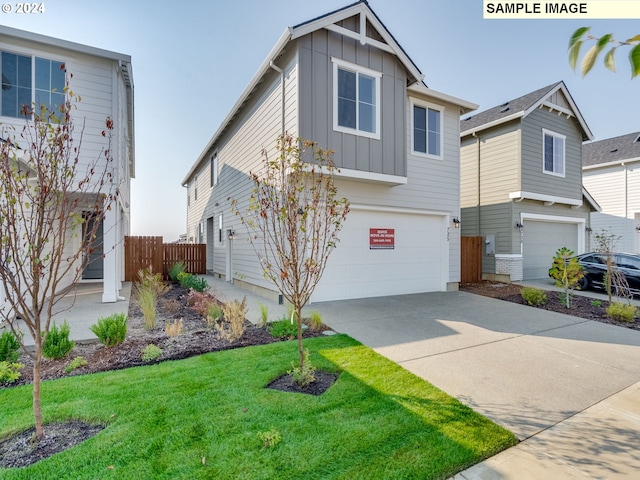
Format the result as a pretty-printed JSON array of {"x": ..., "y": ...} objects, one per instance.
[
  {"x": 533, "y": 178},
  {"x": 239, "y": 148},
  {"x": 387, "y": 155},
  {"x": 616, "y": 188}
]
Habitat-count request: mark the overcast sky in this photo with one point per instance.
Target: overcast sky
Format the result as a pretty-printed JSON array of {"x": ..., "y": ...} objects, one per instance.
[{"x": 192, "y": 60}]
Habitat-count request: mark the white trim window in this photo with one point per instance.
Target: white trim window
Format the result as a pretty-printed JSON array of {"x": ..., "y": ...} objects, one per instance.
[
  {"x": 220, "y": 228},
  {"x": 356, "y": 99},
  {"x": 214, "y": 170},
  {"x": 553, "y": 153},
  {"x": 426, "y": 129},
  {"x": 28, "y": 80}
]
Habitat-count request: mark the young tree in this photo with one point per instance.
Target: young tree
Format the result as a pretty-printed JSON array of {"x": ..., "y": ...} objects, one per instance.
[
  {"x": 48, "y": 192},
  {"x": 600, "y": 44},
  {"x": 615, "y": 283},
  {"x": 567, "y": 272},
  {"x": 294, "y": 217}
]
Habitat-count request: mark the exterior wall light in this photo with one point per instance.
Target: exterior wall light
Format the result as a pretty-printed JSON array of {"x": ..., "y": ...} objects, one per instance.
[
  {"x": 456, "y": 222},
  {"x": 519, "y": 226}
]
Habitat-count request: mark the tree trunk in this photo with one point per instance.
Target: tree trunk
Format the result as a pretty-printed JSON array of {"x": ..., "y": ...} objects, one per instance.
[
  {"x": 300, "y": 349},
  {"x": 37, "y": 409}
]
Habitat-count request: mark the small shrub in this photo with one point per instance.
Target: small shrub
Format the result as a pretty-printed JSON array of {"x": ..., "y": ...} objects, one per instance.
[
  {"x": 193, "y": 282},
  {"x": 214, "y": 314},
  {"x": 622, "y": 311},
  {"x": 304, "y": 376},
  {"x": 175, "y": 328},
  {"x": 9, "y": 371},
  {"x": 57, "y": 345},
  {"x": 235, "y": 314},
  {"x": 264, "y": 315},
  {"x": 151, "y": 352},
  {"x": 533, "y": 296},
  {"x": 9, "y": 347},
  {"x": 181, "y": 276},
  {"x": 283, "y": 329},
  {"x": 315, "y": 320},
  {"x": 596, "y": 303},
  {"x": 147, "y": 280},
  {"x": 200, "y": 302},
  {"x": 75, "y": 364},
  {"x": 175, "y": 270},
  {"x": 270, "y": 438},
  {"x": 111, "y": 330}
]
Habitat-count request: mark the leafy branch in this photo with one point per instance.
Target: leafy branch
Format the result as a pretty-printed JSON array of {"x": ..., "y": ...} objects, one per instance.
[{"x": 582, "y": 35}]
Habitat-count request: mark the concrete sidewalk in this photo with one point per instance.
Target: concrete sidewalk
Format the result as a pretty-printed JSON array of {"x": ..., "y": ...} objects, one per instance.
[
  {"x": 567, "y": 387},
  {"x": 81, "y": 307}
]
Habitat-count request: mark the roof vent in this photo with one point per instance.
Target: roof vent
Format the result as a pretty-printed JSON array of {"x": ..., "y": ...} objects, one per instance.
[
  {"x": 637, "y": 139},
  {"x": 614, "y": 150},
  {"x": 466, "y": 119},
  {"x": 504, "y": 110},
  {"x": 504, "y": 104}
]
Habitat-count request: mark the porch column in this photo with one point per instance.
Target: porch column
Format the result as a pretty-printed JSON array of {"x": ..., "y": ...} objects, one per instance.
[{"x": 110, "y": 271}]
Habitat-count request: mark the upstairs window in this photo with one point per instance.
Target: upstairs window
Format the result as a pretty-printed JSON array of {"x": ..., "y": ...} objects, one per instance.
[
  {"x": 553, "y": 153},
  {"x": 214, "y": 170},
  {"x": 27, "y": 80},
  {"x": 426, "y": 131},
  {"x": 356, "y": 102}
]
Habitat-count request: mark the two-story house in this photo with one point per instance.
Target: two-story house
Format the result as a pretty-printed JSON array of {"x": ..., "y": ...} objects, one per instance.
[
  {"x": 33, "y": 73},
  {"x": 611, "y": 173},
  {"x": 344, "y": 82},
  {"x": 521, "y": 182}
]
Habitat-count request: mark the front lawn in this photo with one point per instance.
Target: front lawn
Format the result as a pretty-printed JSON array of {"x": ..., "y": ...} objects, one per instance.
[{"x": 201, "y": 418}]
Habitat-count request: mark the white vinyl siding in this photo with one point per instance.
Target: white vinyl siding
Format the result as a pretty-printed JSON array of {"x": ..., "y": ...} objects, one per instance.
[{"x": 214, "y": 170}]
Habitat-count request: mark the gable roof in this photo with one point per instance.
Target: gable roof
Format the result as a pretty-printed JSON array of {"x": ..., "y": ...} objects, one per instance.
[
  {"x": 521, "y": 107},
  {"x": 367, "y": 18},
  {"x": 611, "y": 150}
]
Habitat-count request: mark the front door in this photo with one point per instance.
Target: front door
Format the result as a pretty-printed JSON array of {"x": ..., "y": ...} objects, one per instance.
[{"x": 95, "y": 261}]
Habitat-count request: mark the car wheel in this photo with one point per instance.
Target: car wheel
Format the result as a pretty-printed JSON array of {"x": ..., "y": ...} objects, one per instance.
[{"x": 584, "y": 283}]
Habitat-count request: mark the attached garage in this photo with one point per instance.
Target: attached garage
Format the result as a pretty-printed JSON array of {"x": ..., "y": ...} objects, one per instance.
[
  {"x": 387, "y": 253},
  {"x": 541, "y": 240}
]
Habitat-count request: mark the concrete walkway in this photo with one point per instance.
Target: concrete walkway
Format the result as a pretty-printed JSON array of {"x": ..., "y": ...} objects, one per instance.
[{"x": 567, "y": 387}]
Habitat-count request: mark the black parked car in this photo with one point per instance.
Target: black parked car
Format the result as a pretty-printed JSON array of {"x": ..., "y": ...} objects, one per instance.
[{"x": 595, "y": 265}]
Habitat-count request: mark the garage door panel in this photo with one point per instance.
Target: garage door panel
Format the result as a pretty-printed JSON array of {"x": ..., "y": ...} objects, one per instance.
[
  {"x": 541, "y": 242},
  {"x": 415, "y": 264}
]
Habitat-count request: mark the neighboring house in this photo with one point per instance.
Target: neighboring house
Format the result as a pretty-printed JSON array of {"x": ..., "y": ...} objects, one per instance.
[
  {"x": 343, "y": 81},
  {"x": 30, "y": 67},
  {"x": 521, "y": 182},
  {"x": 611, "y": 173}
]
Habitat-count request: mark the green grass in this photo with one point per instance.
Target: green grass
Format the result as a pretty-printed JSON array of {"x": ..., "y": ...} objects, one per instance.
[{"x": 377, "y": 421}]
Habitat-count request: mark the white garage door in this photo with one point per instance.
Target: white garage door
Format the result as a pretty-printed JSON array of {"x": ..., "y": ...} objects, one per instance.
[
  {"x": 418, "y": 261},
  {"x": 541, "y": 242}
]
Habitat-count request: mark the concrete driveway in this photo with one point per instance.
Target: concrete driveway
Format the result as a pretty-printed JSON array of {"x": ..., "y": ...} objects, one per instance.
[{"x": 526, "y": 369}]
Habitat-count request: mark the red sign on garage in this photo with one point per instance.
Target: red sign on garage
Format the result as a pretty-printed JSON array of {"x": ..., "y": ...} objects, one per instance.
[{"x": 382, "y": 238}]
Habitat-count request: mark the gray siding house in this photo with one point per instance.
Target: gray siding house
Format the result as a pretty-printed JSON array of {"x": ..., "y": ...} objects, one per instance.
[
  {"x": 611, "y": 173},
  {"x": 521, "y": 182},
  {"x": 343, "y": 81}
]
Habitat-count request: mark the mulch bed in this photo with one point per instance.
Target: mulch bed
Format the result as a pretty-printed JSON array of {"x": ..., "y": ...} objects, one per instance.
[
  {"x": 581, "y": 306},
  {"x": 197, "y": 338}
]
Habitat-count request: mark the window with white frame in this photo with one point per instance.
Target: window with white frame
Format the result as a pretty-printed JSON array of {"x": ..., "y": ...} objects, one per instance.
[
  {"x": 426, "y": 129},
  {"x": 27, "y": 80},
  {"x": 195, "y": 187},
  {"x": 220, "y": 226},
  {"x": 214, "y": 169},
  {"x": 553, "y": 149},
  {"x": 356, "y": 99}
]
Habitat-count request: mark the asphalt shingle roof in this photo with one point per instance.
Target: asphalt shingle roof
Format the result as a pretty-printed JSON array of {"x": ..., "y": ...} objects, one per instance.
[
  {"x": 615, "y": 149},
  {"x": 506, "y": 109}
]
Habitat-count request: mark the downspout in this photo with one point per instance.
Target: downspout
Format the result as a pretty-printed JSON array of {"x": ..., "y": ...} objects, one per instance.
[
  {"x": 281, "y": 72},
  {"x": 478, "y": 185}
]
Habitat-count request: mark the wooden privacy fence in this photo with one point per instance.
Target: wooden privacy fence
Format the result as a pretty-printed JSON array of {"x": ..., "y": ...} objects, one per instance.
[
  {"x": 471, "y": 259},
  {"x": 145, "y": 252}
]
